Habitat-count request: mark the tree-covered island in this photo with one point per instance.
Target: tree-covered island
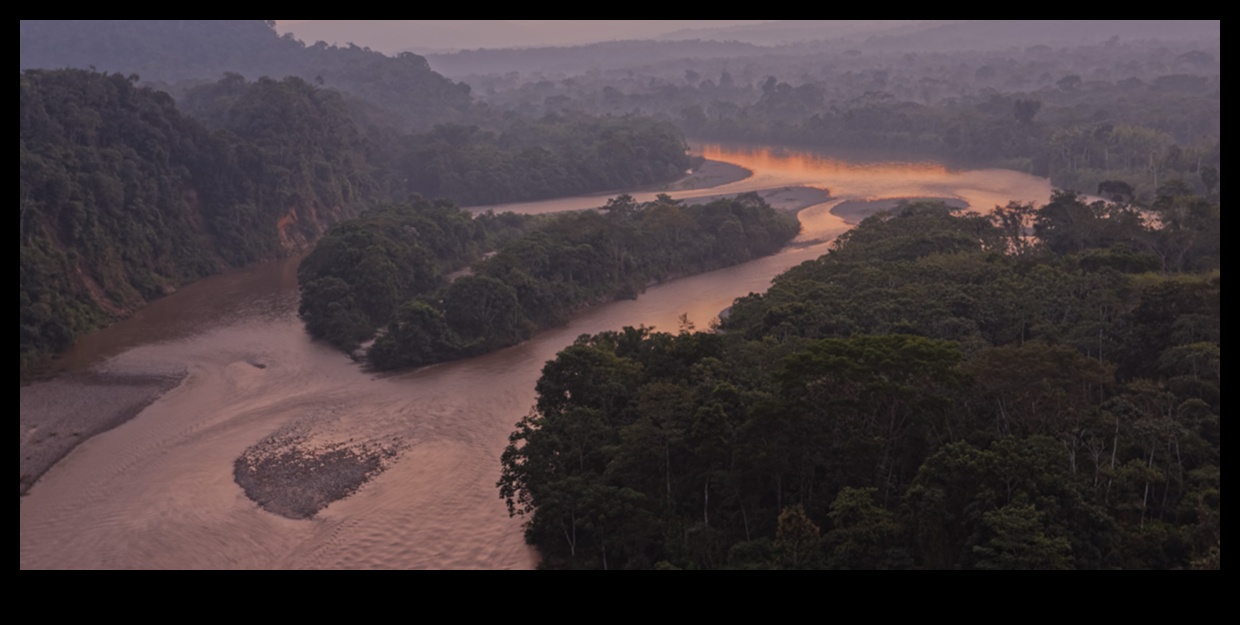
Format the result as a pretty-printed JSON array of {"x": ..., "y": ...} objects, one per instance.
[{"x": 386, "y": 270}]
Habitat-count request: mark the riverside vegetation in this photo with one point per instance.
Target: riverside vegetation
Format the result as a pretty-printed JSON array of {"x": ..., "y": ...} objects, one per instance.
[
  {"x": 124, "y": 196},
  {"x": 386, "y": 269},
  {"x": 1036, "y": 388}
]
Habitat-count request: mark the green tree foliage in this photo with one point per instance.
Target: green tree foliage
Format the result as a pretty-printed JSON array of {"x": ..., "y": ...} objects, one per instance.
[
  {"x": 418, "y": 335},
  {"x": 864, "y": 535},
  {"x": 364, "y": 270},
  {"x": 566, "y": 263},
  {"x": 295, "y": 156},
  {"x": 927, "y": 395},
  {"x": 457, "y": 150},
  {"x": 485, "y": 308},
  {"x": 796, "y": 538},
  {"x": 529, "y": 160},
  {"x": 123, "y": 198}
]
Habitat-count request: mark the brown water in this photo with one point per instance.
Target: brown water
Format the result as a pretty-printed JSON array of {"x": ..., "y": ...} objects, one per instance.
[{"x": 158, "y": 491}]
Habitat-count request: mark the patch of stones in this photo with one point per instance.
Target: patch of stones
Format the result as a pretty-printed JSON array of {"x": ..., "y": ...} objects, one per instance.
[{"x": 287, "y": 475}]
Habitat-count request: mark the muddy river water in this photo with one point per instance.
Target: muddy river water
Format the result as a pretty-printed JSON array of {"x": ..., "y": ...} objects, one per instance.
[{"x": 158, "y": 491}]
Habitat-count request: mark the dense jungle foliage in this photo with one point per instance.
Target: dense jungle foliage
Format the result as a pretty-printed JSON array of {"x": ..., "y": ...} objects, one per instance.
[
  {"x": 424, "y": 133},
  {"x": 523, "y": 160},
  {"x": 123, "y": 198},
  {"x": 941, "y": 390},
  {"x": 387, "y": 269},
  {"x": 363, "y": 269}
]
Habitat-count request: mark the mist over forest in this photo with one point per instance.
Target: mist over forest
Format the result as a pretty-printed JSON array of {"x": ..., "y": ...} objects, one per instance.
[
  {"x": 1029, "y": 385},
  {"x": 1077, "y": 102}
]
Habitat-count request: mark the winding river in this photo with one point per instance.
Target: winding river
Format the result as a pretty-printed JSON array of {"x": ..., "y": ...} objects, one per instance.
[{"x": 158, "y": 491}]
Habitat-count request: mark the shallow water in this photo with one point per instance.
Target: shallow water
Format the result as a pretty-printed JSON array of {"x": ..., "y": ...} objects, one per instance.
[{"x": 158, "y": 491}]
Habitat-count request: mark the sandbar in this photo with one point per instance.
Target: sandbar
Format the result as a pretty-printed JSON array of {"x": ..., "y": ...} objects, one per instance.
[{"x": 59, "y": 414}]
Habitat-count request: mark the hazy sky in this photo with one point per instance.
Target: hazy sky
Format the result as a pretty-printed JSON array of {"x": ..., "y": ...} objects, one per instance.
[{"x": 391, "y": 36}]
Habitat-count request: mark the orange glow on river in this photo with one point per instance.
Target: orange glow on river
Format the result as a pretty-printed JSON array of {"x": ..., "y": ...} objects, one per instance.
[{"x": 982, "y": 189}]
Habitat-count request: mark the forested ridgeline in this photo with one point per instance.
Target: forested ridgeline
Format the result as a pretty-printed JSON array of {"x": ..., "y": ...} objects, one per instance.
[
  {"x": 507, "y": 159},
  {"x": 939, "y": 391},
  {"x": 424, "y": 133},
  {"x": 386, "y": 270},
  {"x": 558, "y": 155},
  {"x": 1133, "y": 109}
]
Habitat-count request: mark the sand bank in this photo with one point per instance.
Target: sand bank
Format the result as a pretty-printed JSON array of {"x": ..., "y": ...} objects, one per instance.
[
  {"x": 59, "y": 414},
  {"x": 708, "y": 174}
]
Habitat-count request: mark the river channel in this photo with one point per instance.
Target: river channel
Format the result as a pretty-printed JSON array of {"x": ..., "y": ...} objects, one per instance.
[{"x": 158, "y": 490}]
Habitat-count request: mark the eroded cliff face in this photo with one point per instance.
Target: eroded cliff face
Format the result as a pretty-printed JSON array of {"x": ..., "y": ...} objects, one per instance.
[
  {"x": 302, "y": 224},
  {"x": 291, "y": 236}
]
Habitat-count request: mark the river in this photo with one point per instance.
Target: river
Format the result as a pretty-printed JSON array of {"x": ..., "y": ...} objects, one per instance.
[{"x": 158, "y": 491}]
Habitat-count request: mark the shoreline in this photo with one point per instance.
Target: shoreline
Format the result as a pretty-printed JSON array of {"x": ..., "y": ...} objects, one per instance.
[
  {"x": 63, "y": 411},
  {"x": 268, "y": 427},
  {"x": 58, "y": 414},
  {"x": 789, "y": 199},
  {"x": 855, "y": 211},
  {"x": 707, "y": 175}
]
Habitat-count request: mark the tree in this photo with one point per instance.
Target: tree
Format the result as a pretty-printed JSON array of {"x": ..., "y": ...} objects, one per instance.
[
  {"x": 418, "y": 335},
  {"x": 863, "y": 535},
  {"x": 797, "y": 539},
  {"x": 485, "y": 312},
  {"x": 1071, "y": 82},
  {"x": 1025, "y": 110},
  {"x": 1017, "y": 539}
]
